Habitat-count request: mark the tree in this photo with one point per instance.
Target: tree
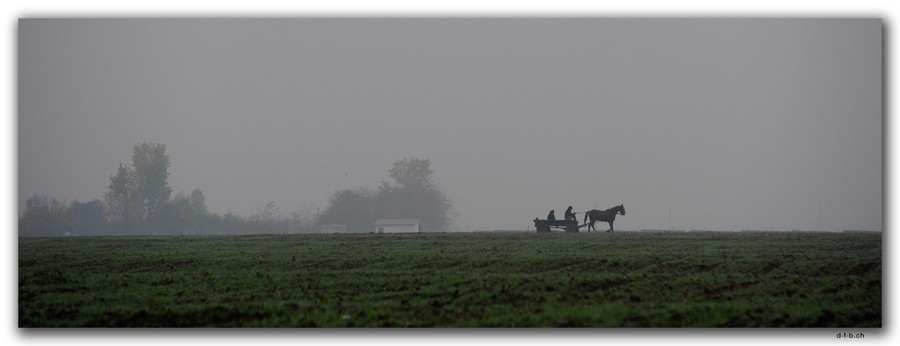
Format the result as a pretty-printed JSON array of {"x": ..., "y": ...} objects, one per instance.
[
  {"x": 270, "y": 213},
  {"x": 303, "y": 220},
  {"x": 123, "y": 201},
  {"x": 87, "y": 218},
  {"x": 43, "y": 217},
  {"x": 353, "y": 208},
  {"x": 151, "y": 170},
  {"x": 46, "y": 217},
  {"x": 138, "y": 195},
  {"x": 412, "y": 173},
  {"x": 198, "y": 202},
  {"x": 414, "y": 195}
]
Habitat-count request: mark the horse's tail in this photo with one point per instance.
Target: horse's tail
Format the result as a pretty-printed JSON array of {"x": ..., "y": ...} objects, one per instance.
[{"x": 586, "y": 216}]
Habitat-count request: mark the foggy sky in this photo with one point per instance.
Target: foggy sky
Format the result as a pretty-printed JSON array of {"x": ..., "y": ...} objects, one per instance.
[{"x": 729, "y": 123}]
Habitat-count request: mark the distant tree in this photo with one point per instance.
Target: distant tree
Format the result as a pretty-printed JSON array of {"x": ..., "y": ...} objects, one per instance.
[
  {"x": 211, "y": 224},
  {"x": 269, "y": 213},
  {"x": 233, "y": 224},
  {"x": 303, "y": 220},
  {"x": 414, "y": 195},
  {"x": 198, "y": 202},
  {"x": 87, "y": 218},
  {"x": 123, "y": 201},
  {"x": 151, "y": 170},
  {"x": 353, "y": 208},
  {"x": 201, "y": 220},
  {"x": 391, "y": 202},
  {"x": 412, "y": 173},
  {"x": 269, "y": 220},
  {"x": 138, "y": 196},
  {"x": 185, "y": 214},
  {"x": 176, "y": 217},
  {"x": 43, "y": 217}
]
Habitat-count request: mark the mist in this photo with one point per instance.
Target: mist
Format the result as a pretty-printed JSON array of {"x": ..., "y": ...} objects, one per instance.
[{"x": 711, "y": 124}]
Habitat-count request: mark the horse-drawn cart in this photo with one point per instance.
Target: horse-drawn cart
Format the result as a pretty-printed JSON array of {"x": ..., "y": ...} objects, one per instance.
[{"x": 543, "y": 226}]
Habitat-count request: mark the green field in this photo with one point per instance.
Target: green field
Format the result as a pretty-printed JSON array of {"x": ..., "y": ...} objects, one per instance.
[{"x": 621, "y": 279}]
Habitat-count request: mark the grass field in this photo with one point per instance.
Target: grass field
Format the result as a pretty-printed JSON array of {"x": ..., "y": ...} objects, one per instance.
[{"x": 621, "y": 279}]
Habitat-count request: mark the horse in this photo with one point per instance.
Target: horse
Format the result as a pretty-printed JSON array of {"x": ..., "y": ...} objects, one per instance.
[{"x": 608, "y": 215}]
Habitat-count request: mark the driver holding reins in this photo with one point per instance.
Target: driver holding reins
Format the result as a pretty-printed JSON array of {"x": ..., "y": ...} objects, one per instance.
[{"x": 569, "y": 214}]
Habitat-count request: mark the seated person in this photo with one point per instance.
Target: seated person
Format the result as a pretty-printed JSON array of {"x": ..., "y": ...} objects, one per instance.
[
  {"x": 569, "y": 214},
  {"x": 551, "y": 216}
]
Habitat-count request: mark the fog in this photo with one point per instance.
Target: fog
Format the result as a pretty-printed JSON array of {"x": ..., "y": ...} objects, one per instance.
[{"x": 724, "y": 124}]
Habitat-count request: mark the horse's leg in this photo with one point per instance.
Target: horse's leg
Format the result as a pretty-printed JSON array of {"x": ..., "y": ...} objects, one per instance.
[{"x": 610, "y": 226}]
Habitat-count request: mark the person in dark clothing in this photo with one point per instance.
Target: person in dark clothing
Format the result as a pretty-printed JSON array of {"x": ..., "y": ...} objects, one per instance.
[
  {"x": 551, "y": 216},
  {"x": 569, "y": 214}
]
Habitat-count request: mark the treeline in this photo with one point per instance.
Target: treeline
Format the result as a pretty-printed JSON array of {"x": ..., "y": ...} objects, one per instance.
[
  {"x": 412, "y": 194},
  {"x": 139, "y": 201},
  {"x": 48, "y": 217}
]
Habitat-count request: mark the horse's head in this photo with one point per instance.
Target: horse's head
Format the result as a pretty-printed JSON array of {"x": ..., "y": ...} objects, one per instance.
[{"x": 621, "y": 209}]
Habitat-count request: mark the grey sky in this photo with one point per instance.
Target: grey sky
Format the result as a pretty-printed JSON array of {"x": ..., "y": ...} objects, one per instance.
[{"x": 732, "y": 124}]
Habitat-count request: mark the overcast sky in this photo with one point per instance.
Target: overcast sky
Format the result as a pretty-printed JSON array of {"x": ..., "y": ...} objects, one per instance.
[{"x": 731, "y": 124}]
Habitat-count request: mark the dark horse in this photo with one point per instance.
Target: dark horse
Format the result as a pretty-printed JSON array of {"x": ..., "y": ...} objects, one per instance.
[{"x": 608, "y": 215}]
